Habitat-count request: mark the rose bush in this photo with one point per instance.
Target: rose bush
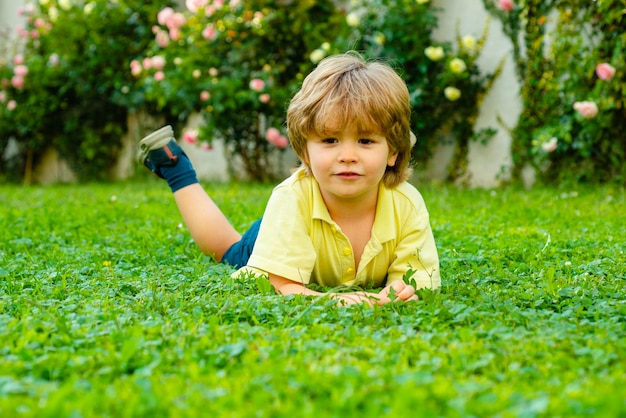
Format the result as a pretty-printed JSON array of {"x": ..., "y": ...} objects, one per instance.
[
  {"x": 446, "y": 86},
  {"x": 573, "y": 80},
  {"x": 237, "y": 63},
  {"x": 86, "y": 65},
  {"x": 64, "y": 82},
  {"x": 213, "y": 65}
]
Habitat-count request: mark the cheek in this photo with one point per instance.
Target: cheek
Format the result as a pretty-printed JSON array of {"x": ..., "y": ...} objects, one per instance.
[{"x": 315, "y": 162}]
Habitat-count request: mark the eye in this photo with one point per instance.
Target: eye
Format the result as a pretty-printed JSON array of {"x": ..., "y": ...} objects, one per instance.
[
  {"x": 329, "y": 140},
  {"x": 366, "y": 141}
]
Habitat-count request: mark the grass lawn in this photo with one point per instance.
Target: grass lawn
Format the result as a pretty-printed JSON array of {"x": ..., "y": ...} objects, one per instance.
[{"x": 108, "y": 309}]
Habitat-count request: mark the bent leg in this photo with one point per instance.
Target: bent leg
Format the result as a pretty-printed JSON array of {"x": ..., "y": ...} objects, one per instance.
[
  {"x": 239, "y": 253},
  {"x": 208, "y": 226}
]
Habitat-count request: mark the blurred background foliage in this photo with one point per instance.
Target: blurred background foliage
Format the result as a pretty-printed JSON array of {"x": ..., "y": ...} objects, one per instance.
[
  {"x": 569, "y": 57},
  {"x": 72, "y": 76}
]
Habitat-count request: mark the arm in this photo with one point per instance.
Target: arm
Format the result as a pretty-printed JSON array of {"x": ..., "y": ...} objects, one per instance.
[
  {"x": 402, "y": 292},
  {"x": 415, "y": 250}
]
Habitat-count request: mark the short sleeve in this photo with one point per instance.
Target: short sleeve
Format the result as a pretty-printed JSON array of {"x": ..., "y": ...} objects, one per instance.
[
  {"x": 415, "y": 248},
  {"x": 283, "y": 246}
]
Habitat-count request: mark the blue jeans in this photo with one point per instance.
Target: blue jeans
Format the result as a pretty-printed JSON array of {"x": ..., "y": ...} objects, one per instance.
[{"x": 239, "y": 253}]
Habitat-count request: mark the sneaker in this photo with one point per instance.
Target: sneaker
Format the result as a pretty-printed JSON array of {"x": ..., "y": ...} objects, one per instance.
[{"x": 159, "y": 149}]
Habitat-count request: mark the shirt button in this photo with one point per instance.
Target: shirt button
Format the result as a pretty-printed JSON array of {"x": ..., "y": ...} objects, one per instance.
[
  {"x": 347, "y": 251},
  {"x": 350, "y": 270}
]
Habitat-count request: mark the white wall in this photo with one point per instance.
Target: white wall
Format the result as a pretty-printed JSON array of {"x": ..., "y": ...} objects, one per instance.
[
  {"x": 486, "y": 163},
  {"x": 8, "y": 14}
]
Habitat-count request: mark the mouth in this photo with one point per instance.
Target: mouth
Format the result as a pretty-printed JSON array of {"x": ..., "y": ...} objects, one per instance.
[{"x": 348, "y": 175}]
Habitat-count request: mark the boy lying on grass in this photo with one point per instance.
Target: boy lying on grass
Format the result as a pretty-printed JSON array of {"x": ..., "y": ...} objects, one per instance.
[{"x": 347, "y": 216}]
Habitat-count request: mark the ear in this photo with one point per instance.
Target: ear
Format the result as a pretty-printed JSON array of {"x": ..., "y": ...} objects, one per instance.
[{"x": 391, "y": 161}]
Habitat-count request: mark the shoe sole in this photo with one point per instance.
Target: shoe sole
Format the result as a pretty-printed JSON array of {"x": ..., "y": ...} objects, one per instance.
[{"x": 155, "y": 140}]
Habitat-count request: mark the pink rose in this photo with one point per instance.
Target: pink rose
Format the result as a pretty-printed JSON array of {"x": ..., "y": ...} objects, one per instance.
[
  {"x": 506, "y": 5},
  {"x": 264, "y": 98},
  {"x": 175, "y": 21},
  {"x": 158, "y": 62},
  {"x": 274, "y": 137},
  {"x": 209, "y": 33},
  {"x": 21, "y": 32},
  {"x": 205, "y": 95},
  {"x": 282, "y": 142},
  {"x": 18, "y": 60},
  {"x": 586, "y": 109},
  {"x": 551, "y": 145},
  {"x": 159, "y": 76},
  {"x": 190, "y": 137},
  {"x": 194, "y": 5},
  {"x": 162, "y": 38},
  {"x": 20, "y": 70},
  {"x": 174, "y": 34},
  {"x": 165, "y": 15},
  {"x": 272, "y": 134},
  {"x": 11, "y": 105},
  {"x": 605, "y": 71},
  {"x": 135, "y": 68},
  {"x": 147, "y": 63},
  {"x": 3, "y": 96},
  {"x": 17, "y": 82},
  {"x": 257, "y": 84}
]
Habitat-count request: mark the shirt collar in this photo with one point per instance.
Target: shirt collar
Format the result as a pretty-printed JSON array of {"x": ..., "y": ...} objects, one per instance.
[
  {"x": 384, "y": 228},
  {"x": 320, "y": 211},
  {"x": 384, "y": 225}
]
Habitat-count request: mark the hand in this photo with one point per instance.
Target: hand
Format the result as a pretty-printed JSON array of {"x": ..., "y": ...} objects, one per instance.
[
  {"x": 288, "y": 287},
  {"x": 360, "y": 297},
  {"x": 402, "y": 292}
]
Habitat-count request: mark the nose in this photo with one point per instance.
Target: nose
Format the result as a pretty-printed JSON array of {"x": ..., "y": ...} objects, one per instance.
[{"x": 347, "y": 153}]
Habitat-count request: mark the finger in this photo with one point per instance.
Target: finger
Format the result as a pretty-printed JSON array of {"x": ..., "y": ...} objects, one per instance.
[
  {"x": 406, "y": 293},
  {"x": 398, "y": 286},
  {"x": 385, "y": 291},
  {"x": 381, "y": 299},
  {"x": 345, "y": 300}
]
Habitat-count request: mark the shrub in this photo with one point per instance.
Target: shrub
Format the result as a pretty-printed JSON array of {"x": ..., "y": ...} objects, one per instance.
[
  {"x": 573, "y": 77},
  {"x": 445, "y": 84},
  {"x": 241, "y": 62},
  {"x": 73, "y": 92},
  {"x": 237, "y": 63}
]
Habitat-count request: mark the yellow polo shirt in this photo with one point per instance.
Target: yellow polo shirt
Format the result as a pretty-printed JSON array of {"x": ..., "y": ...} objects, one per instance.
[{"x": 299, "y": 241}]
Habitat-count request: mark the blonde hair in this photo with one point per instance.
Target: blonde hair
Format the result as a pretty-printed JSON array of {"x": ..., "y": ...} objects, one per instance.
[{"x": 345, "y": 89}]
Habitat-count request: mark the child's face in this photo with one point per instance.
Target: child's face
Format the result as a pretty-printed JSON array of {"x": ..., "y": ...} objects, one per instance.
[{"x": 348, "y": 164}]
